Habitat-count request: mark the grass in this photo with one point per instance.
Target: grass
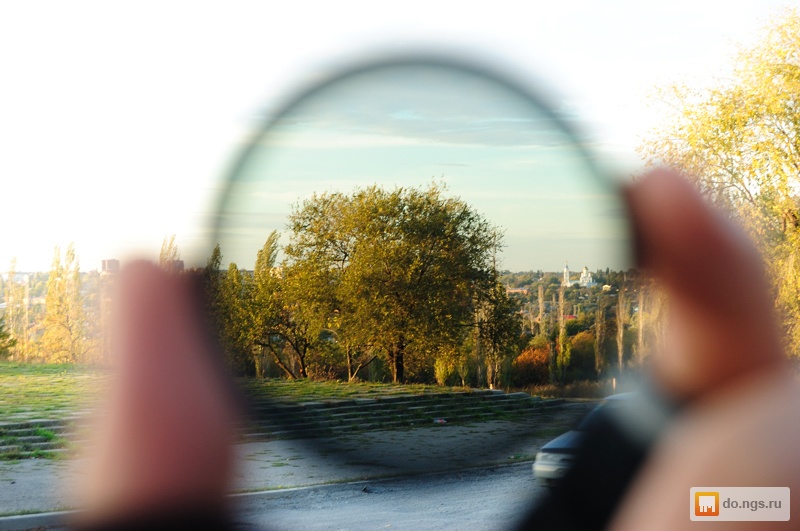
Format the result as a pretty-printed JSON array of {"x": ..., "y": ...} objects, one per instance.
[
  {"x": 310, "y": 390},
  {"x": 39, "y": 391},
  {"x": 45, "y": 434},
  {"x": 582, "y": 389},
  {"x": 14, "y": 456}
]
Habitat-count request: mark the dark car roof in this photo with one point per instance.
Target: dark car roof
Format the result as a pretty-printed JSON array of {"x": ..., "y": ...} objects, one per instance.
[
  {"x": 564, "y": 443},
  {"x": 569, "y": 441}
]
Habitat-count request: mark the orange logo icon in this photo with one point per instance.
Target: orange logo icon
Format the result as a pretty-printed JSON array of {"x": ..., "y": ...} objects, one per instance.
[{"x": 706, "y": 503}]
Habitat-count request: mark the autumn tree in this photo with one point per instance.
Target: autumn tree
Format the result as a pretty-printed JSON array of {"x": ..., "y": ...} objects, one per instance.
[
  {"x": 63, "y": 339},
  {"x": 16, "y": 315},
  {"x": 169, "y": 252},
  {"x": 563, "y": 345},
  {"x": 740, "y": 140}
]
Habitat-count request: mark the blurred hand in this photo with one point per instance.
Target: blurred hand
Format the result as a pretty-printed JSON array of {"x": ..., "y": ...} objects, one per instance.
[
  {"x": 165, "y": 442},
  {"x": 724, "y": 358}
]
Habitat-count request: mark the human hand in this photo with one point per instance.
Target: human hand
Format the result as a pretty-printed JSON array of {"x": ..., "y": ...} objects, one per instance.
[
  {"x": 724, "y": 359},
  {"x": 165, "y": 439}
]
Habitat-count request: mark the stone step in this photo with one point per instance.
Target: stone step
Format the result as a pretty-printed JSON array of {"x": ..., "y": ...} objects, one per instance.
[
  {"x": 275, "y": 419},
  {"x": 416, "y": 412},
  {"x": 21, "y": 432},
  {"x": 41, "y": 423}
]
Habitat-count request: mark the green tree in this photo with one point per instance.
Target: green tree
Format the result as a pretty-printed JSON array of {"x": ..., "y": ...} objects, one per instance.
[
  {"x": 741, "y": 140},
  {"x": 264, "y": 301},
  {"x": 400, "y": 269},
  {"x": 236, "y": 328},
  {"x": 64, "y": 337},
  {"x": 500, "y": 326}
]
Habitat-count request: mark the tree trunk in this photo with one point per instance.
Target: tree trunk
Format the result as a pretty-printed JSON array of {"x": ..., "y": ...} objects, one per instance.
[
  {"x": 621, "y": 311},
  {"x": 349, "y": 354},
  {"x": 259, "y": 366},
  {"x": 640, "y": 337},
  {"x": 562, "y": 335},
  {"x": 399, "y": 369},
  {"x": 542, "y": 327},
  {"x": 396, "y": 361},
  {"x": 599, "y": 337}
]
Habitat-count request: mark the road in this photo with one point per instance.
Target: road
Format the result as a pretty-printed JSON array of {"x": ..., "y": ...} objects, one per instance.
[
  {"x": 480, "y": 499},
  {"x": 307, "y": 484}
]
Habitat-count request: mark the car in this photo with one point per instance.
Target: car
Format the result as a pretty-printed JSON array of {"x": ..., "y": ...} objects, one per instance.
[{"x": 556, "y": 457}]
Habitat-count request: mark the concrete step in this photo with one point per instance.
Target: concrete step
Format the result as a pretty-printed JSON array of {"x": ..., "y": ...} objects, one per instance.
[{"x": 277, "y": 419}]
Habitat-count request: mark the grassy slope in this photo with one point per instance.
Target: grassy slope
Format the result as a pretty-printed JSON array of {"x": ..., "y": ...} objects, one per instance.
[
  {"x": 51, "y": 391},
  {"x": 44, "y": 391}
]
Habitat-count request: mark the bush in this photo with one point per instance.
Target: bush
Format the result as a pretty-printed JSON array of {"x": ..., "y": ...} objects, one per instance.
[
  {"x": 531, "y": 367},
  {"x": 582, "y": 389},
  {"x": 443, "y": 369},
  {"x": 581, "y": 365}
]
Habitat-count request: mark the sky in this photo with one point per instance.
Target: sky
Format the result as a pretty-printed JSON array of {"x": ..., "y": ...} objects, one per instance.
[
  {"x": 118, "y": 121},
  {"x": 413, "y": 125}
]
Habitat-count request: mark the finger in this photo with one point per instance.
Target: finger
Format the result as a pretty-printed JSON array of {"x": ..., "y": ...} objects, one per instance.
[
  {"x": 722, "y": 320},
  {"x": 168, "y": 432}
]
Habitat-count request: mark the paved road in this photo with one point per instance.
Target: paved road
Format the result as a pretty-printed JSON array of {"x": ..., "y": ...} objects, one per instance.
[
  {"x": 35, "y": 485},
  {"x": 482, "y": 499}
]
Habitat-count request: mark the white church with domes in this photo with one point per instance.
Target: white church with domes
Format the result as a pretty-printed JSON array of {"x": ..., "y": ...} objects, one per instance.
[{"x": 585, "y": 280}]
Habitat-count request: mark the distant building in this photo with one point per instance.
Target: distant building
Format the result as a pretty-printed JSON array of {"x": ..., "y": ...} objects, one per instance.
[
  {"x": 110, "y": 266},
  {"x": 565, "y": 280},
  {"x": 518, "y": 291},
  {"x": 585, "y": 280}
]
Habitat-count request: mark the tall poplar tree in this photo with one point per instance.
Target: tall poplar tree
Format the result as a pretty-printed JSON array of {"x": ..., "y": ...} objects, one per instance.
[
  {"x": 15, "y": 315},
  {"x": 63, "y": 339}
]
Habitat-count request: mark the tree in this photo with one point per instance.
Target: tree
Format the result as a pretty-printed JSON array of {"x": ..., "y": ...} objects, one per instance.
[
  {"x": 499, "y": 332},
  {"x": 16, "y": 315},
  {"x": 600, "y": 335},
  {"x": 169, "y": 252},
  {"x": 582, "y": 357},
  {"x": 63, "y": 339},
  {"x": 532, "y": 366},
  {"x": 741, "y": 140},
  {"x": 622, "y": 319},
  {"x": 7, "y": 342},
  {"x": 564, "y": 348},
  {"x": 235, "y": 326},
  {"x": 264, "y": 301},
  {"x": 401, "y": 270},
  {"x": 542, "y": 323}
]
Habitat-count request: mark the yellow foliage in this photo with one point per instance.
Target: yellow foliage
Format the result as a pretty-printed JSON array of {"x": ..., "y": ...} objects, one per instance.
[{"x": 740, "y": 140}]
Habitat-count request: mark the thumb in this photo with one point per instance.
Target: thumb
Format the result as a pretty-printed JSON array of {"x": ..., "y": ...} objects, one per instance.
[{"x": 722, "y": 320}]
